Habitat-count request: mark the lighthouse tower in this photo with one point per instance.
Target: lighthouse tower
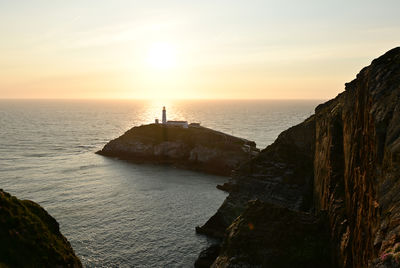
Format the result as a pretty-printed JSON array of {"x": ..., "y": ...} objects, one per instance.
[{"x": 164, "y": 115}]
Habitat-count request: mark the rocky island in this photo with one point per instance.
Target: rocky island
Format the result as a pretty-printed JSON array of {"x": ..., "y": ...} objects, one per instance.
[
  {"x": 326, "y": 193},
  {"x": 188, "y": 146},
  {"x": 30, "y": 237}
]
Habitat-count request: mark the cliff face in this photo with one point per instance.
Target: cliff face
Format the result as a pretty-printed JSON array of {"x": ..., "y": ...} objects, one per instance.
[
  {"x": 340, "y": 166},
  {"x": 267, "y": 235},
  {"x": 281, "y": 174},
  {"x": 195, "y": 148},
  {"x": 30, "y": 237},
  {"x": 356, "y": 164}
]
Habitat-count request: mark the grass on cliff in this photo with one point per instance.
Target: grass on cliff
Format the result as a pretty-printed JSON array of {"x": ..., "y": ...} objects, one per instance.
[
  {"x": 29, "y": 236},
  {"x": 193, "y": 135}
]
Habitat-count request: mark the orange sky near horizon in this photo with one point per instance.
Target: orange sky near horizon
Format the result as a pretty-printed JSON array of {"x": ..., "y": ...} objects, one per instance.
[{"x": 189, "y": 50}]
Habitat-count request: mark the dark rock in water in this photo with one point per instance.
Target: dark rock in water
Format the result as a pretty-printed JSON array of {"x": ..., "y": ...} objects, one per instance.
[
  {"x": 343, "y": 162},
  {"x": 227, "y": 187},
  {"x": 215, "y": 226},
  {"x": 207, "y": 256},
  {"x": 30, "y": 237},
  {"x": 196, "y": 148}
]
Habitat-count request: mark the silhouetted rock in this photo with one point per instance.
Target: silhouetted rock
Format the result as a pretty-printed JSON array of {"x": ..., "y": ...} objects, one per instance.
[
  {"x": 342, "y": 163},
  {"x": 267, "y": 235},
  {"x": 207, "y": 256},
  {"x": 357, "y": 164},
  {"x": 281, "y": 174},
  {"x": 227, "y": 187},
  {"x": 30, "y": 237},
  {"x": 196, "y": 148}
]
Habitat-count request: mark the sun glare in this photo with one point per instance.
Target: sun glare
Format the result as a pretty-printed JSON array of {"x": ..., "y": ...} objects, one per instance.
[{"x": 161, "y": 56}]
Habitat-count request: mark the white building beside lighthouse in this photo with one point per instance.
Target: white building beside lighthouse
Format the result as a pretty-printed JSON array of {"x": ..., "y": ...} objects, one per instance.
[{"x": 183, "y": 124}]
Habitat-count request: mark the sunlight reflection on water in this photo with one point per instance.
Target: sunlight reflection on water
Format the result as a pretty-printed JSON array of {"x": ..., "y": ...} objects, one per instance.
[{"x": 115, "y": 213}]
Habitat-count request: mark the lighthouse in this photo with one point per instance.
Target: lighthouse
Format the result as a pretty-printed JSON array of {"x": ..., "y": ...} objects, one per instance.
[
  {"x": 183, "y": 124},
  {"x": 164, "y": 115}
]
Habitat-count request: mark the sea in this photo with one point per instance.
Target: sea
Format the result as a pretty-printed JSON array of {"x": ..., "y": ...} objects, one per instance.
[{"x": 115, "y": 213}]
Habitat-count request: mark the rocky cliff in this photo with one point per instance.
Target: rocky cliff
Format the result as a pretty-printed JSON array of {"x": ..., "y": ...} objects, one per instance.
[
  {"x": 281, "y": 174},
  {"x": 30, "y": 237},
  {"x": 196, "y": 148},
  {"x": 331, "y": 182},
  {"x": 357, "y": 165}
]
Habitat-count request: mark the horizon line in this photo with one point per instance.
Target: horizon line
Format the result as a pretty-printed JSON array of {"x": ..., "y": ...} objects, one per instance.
[{"x": 177, "y": 99}]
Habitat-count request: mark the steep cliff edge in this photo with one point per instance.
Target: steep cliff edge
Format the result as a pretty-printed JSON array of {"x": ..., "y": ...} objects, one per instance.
[
  {"x": 294, "y": 239},
  {"x": 357, "y": 165},
  {"x": 30, "y": 237},
  {"x": 196, "y": 148},
  {"x": 341, "y": 166},
  {"x": 281, "y": 174}
]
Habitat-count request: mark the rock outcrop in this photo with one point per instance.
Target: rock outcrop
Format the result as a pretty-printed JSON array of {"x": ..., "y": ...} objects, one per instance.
[
  {"x": 295, "y": 239},
  {"x": 30, "y": 237},
  {"x": 281, "y": 174},
  {"x": 357, "y": 164},
  {"x": 334, "y": 176},
  {"x": 196, "y": 148}
]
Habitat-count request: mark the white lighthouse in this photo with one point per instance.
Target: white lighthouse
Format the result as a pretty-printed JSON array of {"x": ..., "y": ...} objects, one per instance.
[
  {"x": 164, "y": 115},
  {"x": 183, "y": 124}
]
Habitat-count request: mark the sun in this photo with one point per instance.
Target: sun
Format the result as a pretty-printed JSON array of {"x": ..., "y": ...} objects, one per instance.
[{"x": 161, "y": 56}]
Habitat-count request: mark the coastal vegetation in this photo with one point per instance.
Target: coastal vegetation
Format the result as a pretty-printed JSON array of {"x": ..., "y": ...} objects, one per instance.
[{"x": 30, "y": 237}]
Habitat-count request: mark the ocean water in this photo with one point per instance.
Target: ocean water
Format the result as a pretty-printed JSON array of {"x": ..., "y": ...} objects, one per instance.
[{"x": 115, "y": 213}]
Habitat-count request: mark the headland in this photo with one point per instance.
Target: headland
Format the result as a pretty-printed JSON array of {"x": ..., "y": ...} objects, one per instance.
[
  {"x": 188, "y": 146},
  {"x": 30, "y": 237},
  {"x": 326, "y": 192}
]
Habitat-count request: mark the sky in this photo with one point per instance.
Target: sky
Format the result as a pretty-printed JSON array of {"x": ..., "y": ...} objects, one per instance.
[{"x": 128, "y": 49}]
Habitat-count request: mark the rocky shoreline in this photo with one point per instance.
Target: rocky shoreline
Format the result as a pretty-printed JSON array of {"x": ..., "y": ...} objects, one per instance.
[
  {"x": 196, "y": 148},
  {"x": 326, "y": 192}
]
